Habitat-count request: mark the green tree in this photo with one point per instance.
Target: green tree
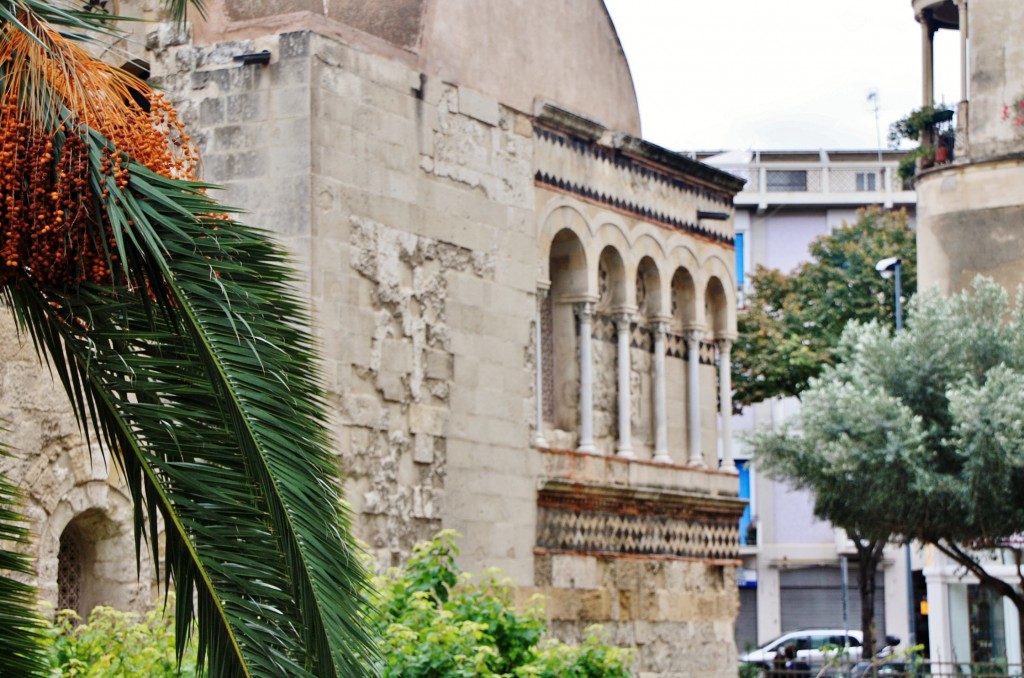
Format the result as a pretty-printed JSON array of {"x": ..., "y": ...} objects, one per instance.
[
  {"x": 184, "y": 348},
  {"x": 792, "y": 323},
  {"x": 919, "y": 434}
]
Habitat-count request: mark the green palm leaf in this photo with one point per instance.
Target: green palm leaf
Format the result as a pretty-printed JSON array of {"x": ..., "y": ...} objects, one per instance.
[
  {"x": 212, "y": 403},
  {"x": 194, "y": 367},
  {"x": 20, "y": 642}
]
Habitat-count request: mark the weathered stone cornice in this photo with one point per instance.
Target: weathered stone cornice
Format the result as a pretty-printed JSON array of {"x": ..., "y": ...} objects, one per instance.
[
  {"x": 552, "y": 115},
  {"x": 646, "y": 151}
]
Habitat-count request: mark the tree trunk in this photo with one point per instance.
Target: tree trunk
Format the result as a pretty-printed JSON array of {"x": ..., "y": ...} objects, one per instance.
[{"x": 869, "y": 554}]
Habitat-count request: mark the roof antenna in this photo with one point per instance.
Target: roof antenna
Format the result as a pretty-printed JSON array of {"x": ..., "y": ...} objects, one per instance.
[{"x": 873, "y": 98}]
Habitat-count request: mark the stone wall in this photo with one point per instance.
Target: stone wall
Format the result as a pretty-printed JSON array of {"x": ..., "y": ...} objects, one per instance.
[
  {"x": 413, "y": 205},
  {"x": 420, "y": 213},
  {"x": 677, "y": 615},
  {"x": 66, "y": 481}
]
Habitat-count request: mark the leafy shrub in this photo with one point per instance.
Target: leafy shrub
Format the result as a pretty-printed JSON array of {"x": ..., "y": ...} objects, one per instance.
[
  {"x": 432, "y": 620},
  {"x": 436, "y": 621},
  {"x": 115, "y": 643}
]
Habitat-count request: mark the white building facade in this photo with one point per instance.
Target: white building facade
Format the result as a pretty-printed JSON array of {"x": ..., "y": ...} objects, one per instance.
[{"x": 791, "y": 573}]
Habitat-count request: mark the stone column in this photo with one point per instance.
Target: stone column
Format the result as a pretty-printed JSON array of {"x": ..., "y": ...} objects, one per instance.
[
  {"x": 585, "y": 312},
  {"x": 660, "y": 421},
  {"x": 539, "y": 440},
  {"x": 623, "y": 367},
  {"x": 962, "y": 7},
  {"x": 927, "y": 74},
  {"x": 725, "y": 401},
  {"x": 693, "y": 395}
]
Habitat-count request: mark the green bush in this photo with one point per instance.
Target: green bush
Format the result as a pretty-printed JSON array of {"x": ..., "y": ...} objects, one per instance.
[
  {"x": 114, "y": 643},
  {"x": 436, "y": 621},
  {"x": 432, "y": 620}
]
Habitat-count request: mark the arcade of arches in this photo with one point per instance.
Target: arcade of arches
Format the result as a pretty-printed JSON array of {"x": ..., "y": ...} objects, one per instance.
[{"x": 635, "y": 332}]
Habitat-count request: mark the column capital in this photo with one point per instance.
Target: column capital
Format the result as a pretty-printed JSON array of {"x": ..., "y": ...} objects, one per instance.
[
  {"x": 726, "y": 341},
  {"x": 658, "y": 326},
  {"x": 693, "y": 332},
  {"x": 584, "y": 309},
  {"x": 623, "y": 320}
]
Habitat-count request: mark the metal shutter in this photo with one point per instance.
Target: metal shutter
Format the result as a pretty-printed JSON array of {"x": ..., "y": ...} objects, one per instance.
[
  {"x": 746, "y": 622},
  {"x": 813, "y": 598}
]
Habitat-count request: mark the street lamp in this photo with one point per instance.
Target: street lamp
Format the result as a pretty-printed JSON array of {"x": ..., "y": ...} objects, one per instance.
[{"x": 888, "y": 268}]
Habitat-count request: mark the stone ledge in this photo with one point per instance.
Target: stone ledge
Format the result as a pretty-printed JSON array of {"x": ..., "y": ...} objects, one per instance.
[
  {"x": 553, "y": 115},
  {"x": 596, "y": 470},
  {"x": 645, "y": 150}
]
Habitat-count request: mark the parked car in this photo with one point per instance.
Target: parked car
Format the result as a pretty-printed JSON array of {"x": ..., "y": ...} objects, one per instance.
[{"x": 814, "y": 646}]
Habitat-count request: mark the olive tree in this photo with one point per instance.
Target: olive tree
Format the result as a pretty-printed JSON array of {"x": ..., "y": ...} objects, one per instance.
[{"x": 919, "y": 435}]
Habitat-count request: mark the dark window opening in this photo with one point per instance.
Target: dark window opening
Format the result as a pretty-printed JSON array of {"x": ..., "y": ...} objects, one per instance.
[{"x": 786, "y": 180}]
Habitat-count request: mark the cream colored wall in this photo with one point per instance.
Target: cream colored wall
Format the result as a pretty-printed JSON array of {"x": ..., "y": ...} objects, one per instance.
[
  {"x": 412, "y": 209},
  {"x": 530, "y": 45},
  {"x": 996, "y": 76},
  {"x": 969, "y": 220},
  {"x": 63, "y": 478}
]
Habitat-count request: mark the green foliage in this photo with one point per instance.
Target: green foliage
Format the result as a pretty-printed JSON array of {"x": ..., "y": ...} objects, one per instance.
[
  {"x": 22, "y": 635},
  {"x": 918, "y": 121},
  {"x": 436, "y": 621},
  {"x": 919, "y": 435},
  {"x": 793, "y": 322},
  {"x": 196, "y": 370},
  {"x": 114, "y": 643},
  {"x": 908, "y": 163}
]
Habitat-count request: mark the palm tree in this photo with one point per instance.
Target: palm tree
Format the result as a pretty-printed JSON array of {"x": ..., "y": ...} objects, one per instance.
[{"x": 183, "y": 346}]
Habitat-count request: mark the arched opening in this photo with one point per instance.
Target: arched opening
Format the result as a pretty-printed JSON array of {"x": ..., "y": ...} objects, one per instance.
[
  {"x": 89, "y": 563},
  {"x": 716, "y": 307},
  {"x": 683, "y": 296},
  {"x": 568, "y": 272},
  {"x": 642, "y": 378},
  {"x": 648, "y": 290},
  {"x": 684, "y": 300},
  {"x": 612, "y": 300},
  {"x": 611, "y": 282},
  {"x": 71, "y": 559}
]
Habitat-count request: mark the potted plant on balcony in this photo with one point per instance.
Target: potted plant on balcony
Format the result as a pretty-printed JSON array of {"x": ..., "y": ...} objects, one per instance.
[
  {"x": 908, "y": 164},
  {"x": 916, "y": 122}
]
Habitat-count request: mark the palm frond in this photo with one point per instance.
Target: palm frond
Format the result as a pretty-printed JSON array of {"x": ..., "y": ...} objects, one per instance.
[
  {"x": 21, "y": 640},
  {"x": 67, "y": 17},
  {"x": 181, "y": 341},
  {"x": 179, "y": 8},
  {"x": 232, "y": 291}
]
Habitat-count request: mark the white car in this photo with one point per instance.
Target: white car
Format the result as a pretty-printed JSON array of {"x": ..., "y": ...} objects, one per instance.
[{"x": 814, "y": 646}]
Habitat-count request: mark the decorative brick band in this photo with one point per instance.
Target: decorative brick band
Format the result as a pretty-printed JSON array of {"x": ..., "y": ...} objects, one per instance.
[
  {"x": 593, "y": 520},
  {"x": 545, "y": 179}
]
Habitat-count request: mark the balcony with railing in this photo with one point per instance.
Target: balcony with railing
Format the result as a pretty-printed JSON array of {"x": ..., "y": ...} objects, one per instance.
[{"x": 820, "y": 178}]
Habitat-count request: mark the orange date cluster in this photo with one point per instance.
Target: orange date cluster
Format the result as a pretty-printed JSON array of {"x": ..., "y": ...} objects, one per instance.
[{"x": 55, "y": 228}]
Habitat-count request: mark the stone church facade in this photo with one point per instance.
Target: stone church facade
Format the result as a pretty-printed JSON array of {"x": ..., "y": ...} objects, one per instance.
[{"x": 525, "y": 310}]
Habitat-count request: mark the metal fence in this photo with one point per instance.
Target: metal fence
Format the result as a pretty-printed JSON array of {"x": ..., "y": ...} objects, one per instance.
[{"x": 897, "y": 668}]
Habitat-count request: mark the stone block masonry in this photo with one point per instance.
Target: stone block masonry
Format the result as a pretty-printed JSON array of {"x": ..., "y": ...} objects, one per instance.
[{"x": 415, "y": 212}]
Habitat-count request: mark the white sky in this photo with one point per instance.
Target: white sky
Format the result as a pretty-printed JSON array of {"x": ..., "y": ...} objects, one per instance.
[{"x": 776, "y": 74}]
